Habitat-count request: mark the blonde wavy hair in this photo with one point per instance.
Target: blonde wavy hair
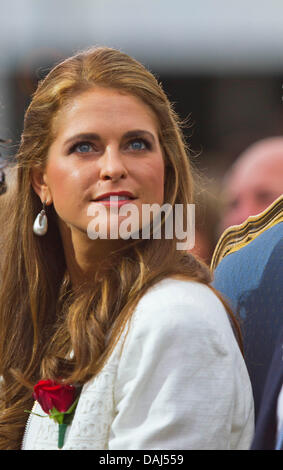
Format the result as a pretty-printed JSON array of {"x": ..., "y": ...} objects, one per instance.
[{"x": 42, "y": 319}]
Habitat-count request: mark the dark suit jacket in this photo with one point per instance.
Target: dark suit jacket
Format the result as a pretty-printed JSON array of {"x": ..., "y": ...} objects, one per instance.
[
  {"x": 249, "y": 274},
  {"x": 265, "y": 434}
]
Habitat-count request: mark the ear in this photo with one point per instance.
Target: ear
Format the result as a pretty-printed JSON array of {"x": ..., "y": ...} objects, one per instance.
[{"x": 40, "y": 186}]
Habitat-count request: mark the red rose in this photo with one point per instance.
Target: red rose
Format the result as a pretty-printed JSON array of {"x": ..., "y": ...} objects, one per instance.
[
  {"x": 58, "y": 401},
  {"x": 50, "y": 394}
]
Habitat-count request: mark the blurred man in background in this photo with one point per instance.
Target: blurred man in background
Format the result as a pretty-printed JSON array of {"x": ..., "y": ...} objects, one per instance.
[{"x": 254, "y": 181}]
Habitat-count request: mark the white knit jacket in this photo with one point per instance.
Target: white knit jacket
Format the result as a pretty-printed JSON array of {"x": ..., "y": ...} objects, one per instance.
[{"x": 177, "y": 380}]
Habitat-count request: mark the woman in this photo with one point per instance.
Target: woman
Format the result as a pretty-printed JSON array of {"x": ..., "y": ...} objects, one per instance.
[{"x": 132, "y": 323}]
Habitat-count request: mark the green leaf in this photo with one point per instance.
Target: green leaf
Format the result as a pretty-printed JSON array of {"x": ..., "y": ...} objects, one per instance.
[
  {"x": 56, "y": 415},
  {"x": 72, "y": 407},
  {"x": 35, "y": 414},
  {"x": 65, "y": 416}
]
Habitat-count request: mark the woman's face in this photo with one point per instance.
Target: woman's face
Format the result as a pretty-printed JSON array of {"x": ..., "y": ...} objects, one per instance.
[{"x": 106, "y": 145}]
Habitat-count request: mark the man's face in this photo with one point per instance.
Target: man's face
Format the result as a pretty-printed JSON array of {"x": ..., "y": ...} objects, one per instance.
[{"x": 253, "y": 185}]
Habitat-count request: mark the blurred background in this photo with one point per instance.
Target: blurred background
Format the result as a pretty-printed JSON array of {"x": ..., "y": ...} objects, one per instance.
[{"x": 220, "y": 62}]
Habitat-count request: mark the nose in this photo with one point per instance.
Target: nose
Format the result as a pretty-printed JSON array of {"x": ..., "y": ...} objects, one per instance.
[{"x": 112, "y": 165}]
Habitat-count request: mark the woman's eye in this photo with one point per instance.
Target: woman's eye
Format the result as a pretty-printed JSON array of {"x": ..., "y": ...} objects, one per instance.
[
  {"x": 83, "y": 147},
  {"x": 138, "y": 145}
]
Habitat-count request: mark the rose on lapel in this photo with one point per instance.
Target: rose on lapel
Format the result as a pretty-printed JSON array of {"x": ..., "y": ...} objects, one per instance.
[
  {"x": 58, "y": 401},
  {"x": 51, "y": 394}
]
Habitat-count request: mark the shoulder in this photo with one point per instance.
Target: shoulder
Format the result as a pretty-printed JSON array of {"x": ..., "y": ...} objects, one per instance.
[
  {"x": 185, "y": 296},
  {"x": 180, "y": 375},
  {"x": 263, "y": 230},
  {"x": 180, "y": 308},
  {"x": 248, "y": 259},
  {"x": 179, "y": 329}
]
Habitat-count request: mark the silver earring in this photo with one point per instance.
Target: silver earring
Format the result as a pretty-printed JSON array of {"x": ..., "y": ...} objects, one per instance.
[{"x": 40, "y": 225}]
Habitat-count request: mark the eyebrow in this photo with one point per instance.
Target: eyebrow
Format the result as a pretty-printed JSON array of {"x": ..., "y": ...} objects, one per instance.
[
  {"x": 95, "y": 136},
  {"x": 139, "y": 133}
]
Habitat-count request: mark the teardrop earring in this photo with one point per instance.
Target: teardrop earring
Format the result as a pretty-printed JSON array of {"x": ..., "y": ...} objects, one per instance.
[{"x": 40, "y": 225}]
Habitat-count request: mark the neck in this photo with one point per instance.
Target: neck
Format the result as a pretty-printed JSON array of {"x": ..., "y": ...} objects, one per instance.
[{"x": 83, "y": 255}]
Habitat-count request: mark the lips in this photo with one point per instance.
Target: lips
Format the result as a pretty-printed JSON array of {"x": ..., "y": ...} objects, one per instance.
[
  {"x": 119, "y": 196},
  {"x": 115, "y": 199}
]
